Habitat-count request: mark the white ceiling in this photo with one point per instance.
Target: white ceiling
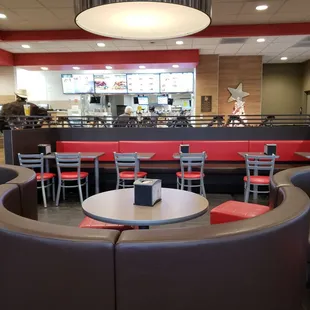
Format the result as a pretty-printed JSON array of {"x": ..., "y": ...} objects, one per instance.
[
  {"x": 59, "y": 14},
  {"x": 272, "y": 49}
]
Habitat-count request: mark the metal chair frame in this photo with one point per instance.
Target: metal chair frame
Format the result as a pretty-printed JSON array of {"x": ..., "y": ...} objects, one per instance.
[
  {"x": 187, "y": 162},
  {"x": 255, "y": 164},
  {"x": 70, "y": 161},
  {"x": 36, "y": 161},
  {"x": 126, "y": 160}
]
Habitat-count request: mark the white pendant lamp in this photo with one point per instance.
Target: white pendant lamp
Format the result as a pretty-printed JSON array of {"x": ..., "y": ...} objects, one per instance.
[{"x": 143, "y": 20}]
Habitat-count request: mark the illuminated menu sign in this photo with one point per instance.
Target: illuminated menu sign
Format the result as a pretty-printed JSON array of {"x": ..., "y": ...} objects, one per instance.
[
  {"x": 143, "y": 83},
  {"x": 110, "y": 84},
  {"x": 77, "y": 83},
  {"x": 177, "y": 82}
]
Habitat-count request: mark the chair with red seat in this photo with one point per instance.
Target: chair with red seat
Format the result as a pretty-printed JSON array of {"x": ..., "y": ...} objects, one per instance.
[
  {"x": 188, "y": 161},
  {"x": 254, "y": 165},
  {"x": 36, "y": 161},
  {"x": 127, "y": 160},
  {"x": 70, "y": 161}
]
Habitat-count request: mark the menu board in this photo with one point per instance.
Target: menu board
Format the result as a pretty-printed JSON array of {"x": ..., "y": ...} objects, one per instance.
[
  {"x": 143, "y": 83},
  {"x": 110, "y": 84},
  {"x": 77, "y": 83},
  {"x": 177, "y": 82}
]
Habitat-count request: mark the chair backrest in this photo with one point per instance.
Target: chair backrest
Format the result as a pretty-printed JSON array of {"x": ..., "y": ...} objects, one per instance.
[
  {"x": 255, "y": 164},
  {"x": 127, "y": 160},
  {"x": 66, "y": 160},
  {"x": 32, "y": 161},
  {"x": 192, "y": 160}
]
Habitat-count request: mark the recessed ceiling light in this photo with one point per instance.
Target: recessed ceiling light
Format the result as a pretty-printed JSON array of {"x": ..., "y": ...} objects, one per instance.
[
  {"x": 284, "y": 58},
  {"x": 25, "y": 46},
  {"x": 141, "y": 67},
  {"x": 44, "y": 68},
  {"x": 141, "y": 19},
  {"x": 76, "y": 68},
  {"x": 260, "y": 40},
  {"x": 100, "y": 44},
  {"x": 2, "y": 16},
  {"x": 108, "y": 67},
  {"x": 179, "y": 42},
  {"x": 175, "y": 66},
  {"x": 262, "y": 7}
]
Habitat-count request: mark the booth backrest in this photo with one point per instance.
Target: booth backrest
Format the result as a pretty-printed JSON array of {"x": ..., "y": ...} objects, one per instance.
[
  {"x": 163, "y": 150},
  {"x": 187, "y": 268},
  {"x": 190, "y": 266},
  {"x": 219, "y": 150},
  {"x": 285, "y": 148},
  {"x": 25, "y": 179},
  {"x": 89, "y": 146}
]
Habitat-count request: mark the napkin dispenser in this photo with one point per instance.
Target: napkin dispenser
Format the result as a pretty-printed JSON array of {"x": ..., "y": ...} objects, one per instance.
[
  {"x": 45, "y": 149},
  {"x": 184, "y": 148},
  {"x": 270, "y": 149},
  {"x": 147, "y": 192}
]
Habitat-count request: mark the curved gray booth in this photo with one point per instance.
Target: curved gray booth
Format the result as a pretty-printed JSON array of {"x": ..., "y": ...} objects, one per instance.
[{"x": 254, "y": 264}]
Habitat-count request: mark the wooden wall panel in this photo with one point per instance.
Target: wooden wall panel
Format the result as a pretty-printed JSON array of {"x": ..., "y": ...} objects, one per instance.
[
  {"x": 241, "y": 69},
  {"x": 207, "y": 75}
]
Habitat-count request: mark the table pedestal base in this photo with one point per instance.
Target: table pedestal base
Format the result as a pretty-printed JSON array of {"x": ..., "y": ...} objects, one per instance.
[{"x": 144, "y": 227}]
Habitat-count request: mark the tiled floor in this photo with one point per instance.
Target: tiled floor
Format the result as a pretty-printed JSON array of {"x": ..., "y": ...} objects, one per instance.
[{"x": 70, "y": 212}]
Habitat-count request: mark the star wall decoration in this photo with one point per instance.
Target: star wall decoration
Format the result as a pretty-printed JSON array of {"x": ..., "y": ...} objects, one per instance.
[{"x": 237, "y": 92}]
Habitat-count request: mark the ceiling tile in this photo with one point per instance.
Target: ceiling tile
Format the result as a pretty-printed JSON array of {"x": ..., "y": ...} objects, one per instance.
[
  {"x": 186, "y": 41},
  {"x": 130, "y": 48},
  {"x": 21, "y": 4},
  {"x": 232, "y": 7},
  {"x": 276, "y": 47},
  {"x": 154, "y": 47},
  {"x": 154, "y": 43},
  {"x": 36, "y": 14},
  {"x": 292, "y": 17},
  {"x": 206, "y": 41},
  {"x": 64, "y": 13},
  {"x": 253, "y": 18},
  {"x": 250, "y": 7},
  {"x": 205, "y": 47},
  {"x": 295, "y": 6},
  {"x": 82, "y": 49},
  {"x": 206, "y": 52},
  {"x": 58, "y": 50},
  {"x": 253, "y": 40},
  {"x": 125, "y": 43},
  {"x": 179, "y": 47},
  {"x": 289, "y": 39},
  {"x": 57, "y": 3}
]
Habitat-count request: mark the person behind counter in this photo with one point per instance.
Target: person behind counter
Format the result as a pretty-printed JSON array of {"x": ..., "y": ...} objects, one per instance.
[
  {"x": 16, "y": 108},
  {"x": 123, "y": 119}
]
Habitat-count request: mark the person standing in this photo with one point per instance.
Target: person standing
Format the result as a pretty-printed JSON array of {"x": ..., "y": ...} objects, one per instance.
[
  {"x": 16, "y": 108},
  {"x": 123, "y": 119}
]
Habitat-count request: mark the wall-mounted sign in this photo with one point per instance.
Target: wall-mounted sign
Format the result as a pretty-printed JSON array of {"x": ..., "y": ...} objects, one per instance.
[
  {"x": 177, "y": 82},
  {"x": 206, "y": 104},
  {"x": 77, "y": 83},
  {"x": 110, "y": 84},
  {"x": 143, "y": 83}
]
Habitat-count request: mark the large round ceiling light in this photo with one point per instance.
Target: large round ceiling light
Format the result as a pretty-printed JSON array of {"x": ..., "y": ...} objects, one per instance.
[{"x": 143, "y": 20}]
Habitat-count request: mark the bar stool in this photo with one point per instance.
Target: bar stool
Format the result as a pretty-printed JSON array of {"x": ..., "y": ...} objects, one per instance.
[
  {"x": 36, "y": 161},
  {"x": 127, "y": 160},
  {"x": 255, "y": 164},
  {"x": 189, "y": 161},
  {"x": 70, "y": 161}
]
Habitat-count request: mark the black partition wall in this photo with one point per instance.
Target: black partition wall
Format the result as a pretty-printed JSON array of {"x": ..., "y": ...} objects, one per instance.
[{"x": 27, "y": 140}]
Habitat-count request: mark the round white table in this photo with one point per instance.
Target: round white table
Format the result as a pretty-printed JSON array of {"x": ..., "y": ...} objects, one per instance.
[{"x": 117, "y": 207}]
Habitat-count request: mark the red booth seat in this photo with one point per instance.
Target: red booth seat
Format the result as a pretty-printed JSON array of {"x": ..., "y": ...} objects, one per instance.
[
  {"x": 231, "y": 211},
  {"x": 219, "y": 150},
  {"x": 163, "y": 150},
  {"x": 285, "y": 148},
  {"x": 89, "y": 146}
]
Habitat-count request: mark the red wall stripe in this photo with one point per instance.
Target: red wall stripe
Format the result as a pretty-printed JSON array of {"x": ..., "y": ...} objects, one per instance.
[
  {"x": 108, "y": 58},
  {"x": 212, "y": 31},
  {"x": 6, "y": 58}
]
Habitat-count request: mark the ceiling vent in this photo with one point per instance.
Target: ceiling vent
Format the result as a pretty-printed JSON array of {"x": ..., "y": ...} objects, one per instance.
[
  {"x": 233, "y": 40},
  {"x": 303, "y": 43}
]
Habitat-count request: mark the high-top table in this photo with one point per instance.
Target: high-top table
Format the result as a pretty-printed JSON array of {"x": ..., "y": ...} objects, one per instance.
[
  {"x": 242, "y": 154},
  {"x": 117, "y": 207},
  {"x": 303, "y": 154},
  {"x": 84, "y": 155}
]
